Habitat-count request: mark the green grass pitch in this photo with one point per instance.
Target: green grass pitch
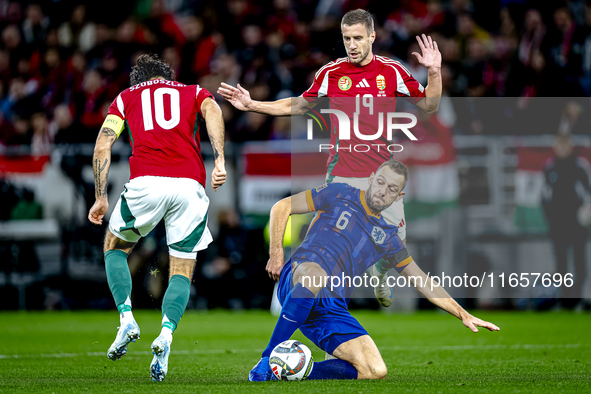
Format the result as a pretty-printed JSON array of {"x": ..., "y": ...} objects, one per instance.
[{"x": 430, "y": 352}]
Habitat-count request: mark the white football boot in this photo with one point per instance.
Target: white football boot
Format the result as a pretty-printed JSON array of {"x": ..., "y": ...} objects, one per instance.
[
  {"x": 383, "y": 292},
  {"x": 129, "y": 332},
  {"x": 161, "y": 351}
]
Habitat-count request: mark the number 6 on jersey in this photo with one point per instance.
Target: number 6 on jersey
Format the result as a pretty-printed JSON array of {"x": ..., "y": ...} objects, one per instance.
[{"x": 343, "y": 220}]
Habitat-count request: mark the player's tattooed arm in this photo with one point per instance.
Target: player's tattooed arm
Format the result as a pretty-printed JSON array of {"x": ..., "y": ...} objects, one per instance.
[
  {"x": 217, "y": 145},
  {"x": 109, "y": 133},
  {"x": 100, "y": 177},
  {"x": 101, "y": 162},
  {"x": 215, "y": 129}
]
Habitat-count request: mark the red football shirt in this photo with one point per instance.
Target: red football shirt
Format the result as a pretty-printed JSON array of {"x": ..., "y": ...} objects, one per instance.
[
  {"x": 384, "y": 80},
  {"x": 162, "y": 118}
]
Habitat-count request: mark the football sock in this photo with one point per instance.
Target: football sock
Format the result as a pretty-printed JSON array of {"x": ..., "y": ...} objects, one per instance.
[
  {"x": 119, "y": 279},
  {"x": 383, "y": 266},
  {"x": 175, "y": 302},
  {"x": 332, "y": 369},
  {"x": 166, "y": 330},
  {"x": 296, "y": 308},
  {"x": 125, "y": 313}
]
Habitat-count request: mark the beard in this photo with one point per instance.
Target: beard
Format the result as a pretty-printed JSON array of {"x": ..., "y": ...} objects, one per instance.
[
  {"x": 361, "y": 58},
  {"x": 372, "y": 205}
]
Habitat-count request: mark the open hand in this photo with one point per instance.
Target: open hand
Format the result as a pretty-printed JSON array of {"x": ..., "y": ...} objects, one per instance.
[
  {"x": 472, "y": 322},
  {"x": 238, "y": 97},
  {"x": 431, "y": 57}
]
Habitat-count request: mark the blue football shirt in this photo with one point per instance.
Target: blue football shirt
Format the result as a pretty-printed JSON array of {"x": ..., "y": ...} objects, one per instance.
[{"x": 346, "y": 238}]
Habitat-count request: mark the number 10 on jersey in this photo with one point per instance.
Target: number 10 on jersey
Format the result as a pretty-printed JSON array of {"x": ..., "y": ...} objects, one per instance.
[{"x": 175, "y": 108}]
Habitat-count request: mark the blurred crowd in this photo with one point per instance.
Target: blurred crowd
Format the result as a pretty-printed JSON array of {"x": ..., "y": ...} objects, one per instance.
[{"x": 63, "y": 62}]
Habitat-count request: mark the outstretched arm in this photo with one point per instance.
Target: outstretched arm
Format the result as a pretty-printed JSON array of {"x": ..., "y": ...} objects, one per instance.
[
  {"x": 101, "y": 162},
  {"x": 438, "y": 296},
  {"x": 280, "y": 213},
  {"x": 240, "y": 98},
  {"x": 430, "y": 58},
  {"x": 215, "y": 129}
]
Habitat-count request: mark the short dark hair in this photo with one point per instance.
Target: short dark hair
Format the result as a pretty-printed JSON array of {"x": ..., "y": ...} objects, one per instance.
[
  {"x": 359, "y": 16},
  {"x": 397, "y": 167},
  {"x": 149, "y": 66}
]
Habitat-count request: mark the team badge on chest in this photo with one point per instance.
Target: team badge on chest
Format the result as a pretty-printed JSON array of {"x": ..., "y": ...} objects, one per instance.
[
  {"x": 378, "y": 235},
  {"x": 381, "y": 82},
  {"x": 345, "y": 83}
]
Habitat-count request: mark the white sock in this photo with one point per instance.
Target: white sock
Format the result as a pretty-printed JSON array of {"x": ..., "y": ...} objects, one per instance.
[
  {"x": 374, "y": 271},
  {"x": 167, "y": 333},
  {"x": 126, "y": 318}
]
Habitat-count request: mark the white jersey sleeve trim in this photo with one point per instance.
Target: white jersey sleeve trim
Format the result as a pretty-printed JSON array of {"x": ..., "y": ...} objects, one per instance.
[
  {"x": 120, "y": 105},
  {"x": 401, "y": 86},
  {"x": 323, "y": 91},
  {"x": 330, "y": 64},
  {"x": 387, "y": 60}
]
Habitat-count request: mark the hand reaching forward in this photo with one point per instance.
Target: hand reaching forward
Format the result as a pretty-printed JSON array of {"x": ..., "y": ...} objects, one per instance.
[
  {"x": 472, "y": 322},
  {"x": 238, "y": 97},
  {"x": 431, "y": 57}
]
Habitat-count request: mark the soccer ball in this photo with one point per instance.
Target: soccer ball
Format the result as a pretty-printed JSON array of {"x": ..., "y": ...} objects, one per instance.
[{"x": 291, "y": 360}]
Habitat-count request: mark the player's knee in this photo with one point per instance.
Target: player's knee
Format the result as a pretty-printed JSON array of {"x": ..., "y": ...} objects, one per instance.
[
  {"x": 317, "y": 283},
  {"x": 372, "y": 371},
  {"x": 314, "y": 280},
  {"x": 183, "y": 271},
  {"x": 114, "y": 243},
  {"x": 182, "y": 267},
  {"x": 379, "y": 371},
  {"x": 311, "y": 276}
]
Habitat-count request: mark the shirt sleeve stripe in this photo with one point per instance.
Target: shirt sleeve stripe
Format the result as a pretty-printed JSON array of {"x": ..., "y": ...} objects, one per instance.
[
  {"x": 310, "y": 201},
  {"x": 404, "y": 262},
  {"x": 120, "y": 106}
]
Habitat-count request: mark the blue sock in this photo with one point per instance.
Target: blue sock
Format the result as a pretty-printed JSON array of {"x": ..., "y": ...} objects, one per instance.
[
  {"x": 296, "y": 308},
  {"x": 332, "y": 369}
]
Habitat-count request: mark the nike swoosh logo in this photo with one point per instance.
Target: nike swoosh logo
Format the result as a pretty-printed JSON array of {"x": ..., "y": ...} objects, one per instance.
[{"x": 289, "y": 319}]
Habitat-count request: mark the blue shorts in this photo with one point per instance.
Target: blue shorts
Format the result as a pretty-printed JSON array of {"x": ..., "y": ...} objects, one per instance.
[{"x": 329, "y": 323}]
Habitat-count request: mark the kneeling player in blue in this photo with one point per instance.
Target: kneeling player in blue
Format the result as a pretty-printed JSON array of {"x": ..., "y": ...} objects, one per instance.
[{"x": 346, "y": 237}]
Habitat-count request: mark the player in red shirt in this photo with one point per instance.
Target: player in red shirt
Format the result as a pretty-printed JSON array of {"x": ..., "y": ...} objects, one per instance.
[
  {"x": 167, "y": 182},
  {"x": 360, "y": 76}
]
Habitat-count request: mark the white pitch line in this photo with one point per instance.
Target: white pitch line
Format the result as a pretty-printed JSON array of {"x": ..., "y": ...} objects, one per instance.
[
  {"x": 232, "y": 351},
  {"x": 135, "y": 353},
  {"x": 485, "y": 347}
]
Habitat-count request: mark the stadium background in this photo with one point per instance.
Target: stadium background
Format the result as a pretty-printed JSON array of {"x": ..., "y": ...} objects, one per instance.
[{"x": 63, "y": 62}]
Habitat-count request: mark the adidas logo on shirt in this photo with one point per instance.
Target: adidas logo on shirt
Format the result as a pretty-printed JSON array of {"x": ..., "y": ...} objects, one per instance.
[{"x": 362, "y": 84}]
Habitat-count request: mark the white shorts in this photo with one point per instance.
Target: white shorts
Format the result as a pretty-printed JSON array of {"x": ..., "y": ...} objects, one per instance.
[
  {"x": 180, "y": 201},
  {"x": 393, "y": 215}
]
